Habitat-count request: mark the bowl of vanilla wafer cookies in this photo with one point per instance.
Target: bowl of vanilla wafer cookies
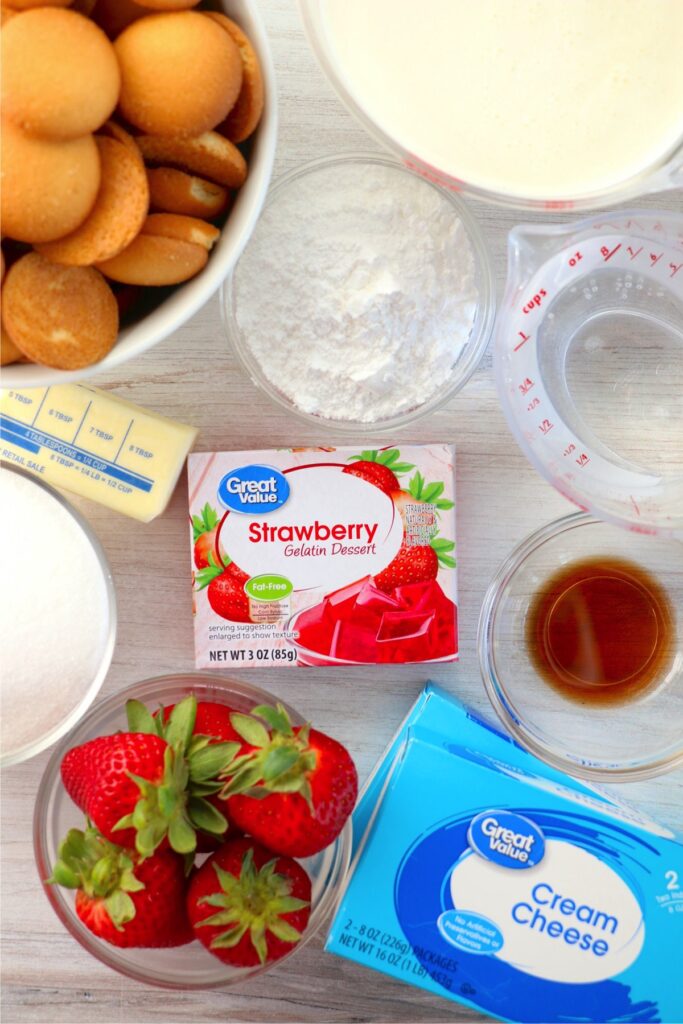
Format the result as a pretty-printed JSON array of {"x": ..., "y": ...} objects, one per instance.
[{"x": 138, "y": 139}]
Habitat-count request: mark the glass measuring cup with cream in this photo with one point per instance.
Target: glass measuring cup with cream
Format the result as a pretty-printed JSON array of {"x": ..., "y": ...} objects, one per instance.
[{"x": 533, "y": 103}]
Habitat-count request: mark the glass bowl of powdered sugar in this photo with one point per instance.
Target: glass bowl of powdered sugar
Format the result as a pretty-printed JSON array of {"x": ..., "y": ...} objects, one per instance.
[{"x": 364, "y": 297}]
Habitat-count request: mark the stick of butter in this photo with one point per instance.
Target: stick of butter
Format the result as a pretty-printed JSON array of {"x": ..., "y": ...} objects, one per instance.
[{"x": 94, "y": 444}]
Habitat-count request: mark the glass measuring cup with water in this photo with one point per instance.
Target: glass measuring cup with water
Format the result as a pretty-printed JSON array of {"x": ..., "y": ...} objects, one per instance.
[{"x": 589, "y": 362}]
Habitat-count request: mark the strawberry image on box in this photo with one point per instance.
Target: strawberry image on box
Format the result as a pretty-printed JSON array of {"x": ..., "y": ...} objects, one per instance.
[{"x": 324, "y": 556}]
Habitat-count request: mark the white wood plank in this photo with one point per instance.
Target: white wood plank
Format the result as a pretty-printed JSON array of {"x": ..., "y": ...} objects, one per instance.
[{"x": 193, "y": 376}]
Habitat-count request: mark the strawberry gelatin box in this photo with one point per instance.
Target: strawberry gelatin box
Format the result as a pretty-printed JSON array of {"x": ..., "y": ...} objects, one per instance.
[{"x": 324, "y": 556}]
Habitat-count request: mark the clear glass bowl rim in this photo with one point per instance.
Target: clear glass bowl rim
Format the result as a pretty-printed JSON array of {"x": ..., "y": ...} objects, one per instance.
[
  {"x": 664, "y": 173},
  {"x": 30, "y": 750},
  {"x": 463, "y": 368},
  {"x": 146, "y": 690},
  {"x": 496, "y": 693}
]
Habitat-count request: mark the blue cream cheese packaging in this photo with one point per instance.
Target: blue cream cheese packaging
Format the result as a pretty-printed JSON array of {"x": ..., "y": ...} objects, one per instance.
[
  {"x": 519, "y": 894},
  {"x": 439, "y": 711}
]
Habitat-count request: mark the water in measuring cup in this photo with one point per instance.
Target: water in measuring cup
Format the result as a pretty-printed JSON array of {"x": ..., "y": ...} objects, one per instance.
[{"x": 610, "y": 351}]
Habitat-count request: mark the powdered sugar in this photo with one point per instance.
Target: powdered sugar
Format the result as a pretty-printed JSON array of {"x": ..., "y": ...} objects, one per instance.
[
  {"x": 54, "y": 613},
  {"x": 357, "y": 292}
]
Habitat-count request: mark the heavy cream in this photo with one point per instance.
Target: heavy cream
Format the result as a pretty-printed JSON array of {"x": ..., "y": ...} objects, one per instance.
[{"x": 533, "y": 98}]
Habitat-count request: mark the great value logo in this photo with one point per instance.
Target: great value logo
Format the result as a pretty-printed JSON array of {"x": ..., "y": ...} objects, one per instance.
[
  {"x": 506, "y": 838},
  {"x": 253, "y": 490}
]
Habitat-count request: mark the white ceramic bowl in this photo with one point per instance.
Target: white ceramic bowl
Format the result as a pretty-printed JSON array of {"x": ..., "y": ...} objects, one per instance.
[{"x": 185, "y": 300}]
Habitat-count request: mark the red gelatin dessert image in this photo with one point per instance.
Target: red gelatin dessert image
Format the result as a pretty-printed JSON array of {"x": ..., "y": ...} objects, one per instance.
[{"x": 362, "y": 624}]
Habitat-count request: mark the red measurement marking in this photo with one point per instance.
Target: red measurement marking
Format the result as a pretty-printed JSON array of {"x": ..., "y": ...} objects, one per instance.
[
  {"x": 631, "y": 222},
  {"x": 535, "y": 302},
  {"x": 674, "y": 267},
  {"x": 454, "y": 184},
  {"x": 569, "y": 449},
  {"x": 524, "y": 337},
  {"x": 573, "y": 260},
  {"x": 526, "y": 386},
  {"x": 655, "y": 259},
  {"x": 533, "y": 403},
  {"x": 545, "y": 426},
  {"x": 606, "y": 254},
  {"x": 582, "y": 460},
  {"x": 633, "y": 502},
  {"x": 633, "y": 254}
]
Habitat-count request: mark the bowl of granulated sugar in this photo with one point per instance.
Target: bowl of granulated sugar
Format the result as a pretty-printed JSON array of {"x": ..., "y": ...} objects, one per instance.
[
  {"x": 57, "y": 615},
  {"x": 365, "y": 296}
]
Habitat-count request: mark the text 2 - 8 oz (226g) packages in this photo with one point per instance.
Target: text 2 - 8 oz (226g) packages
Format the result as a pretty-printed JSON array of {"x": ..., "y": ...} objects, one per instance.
[{"x": 324, "y": 556}]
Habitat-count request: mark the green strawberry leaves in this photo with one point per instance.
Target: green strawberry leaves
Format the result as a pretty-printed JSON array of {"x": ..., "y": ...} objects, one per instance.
[
  {"x": 176, "y": 806},
  {"x": 254, "y": 903},
  {"x": 203, "y": 577},
  {"x": 277, "y": 718},
  {"x": 442, "y": 546},
  {"x": 281, "y": 761},
  {"x": 102, "y": 870},
  {"x": 250, "y": 729},
  {"x": 389, "y": 458},
  {"x": 431, "y": 493},
  {"x": 205, "y": 521}
]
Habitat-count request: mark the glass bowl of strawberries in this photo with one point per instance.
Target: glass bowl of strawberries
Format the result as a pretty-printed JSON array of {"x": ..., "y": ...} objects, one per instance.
[{"x": 191, "y": 831}]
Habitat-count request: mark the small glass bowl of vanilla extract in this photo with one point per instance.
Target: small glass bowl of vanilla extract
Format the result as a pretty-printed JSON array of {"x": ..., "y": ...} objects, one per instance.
[{"x": 580, "y": 647}]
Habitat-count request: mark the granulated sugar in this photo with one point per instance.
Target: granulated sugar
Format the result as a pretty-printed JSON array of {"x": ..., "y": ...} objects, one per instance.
[
  {"x": 357, "y": 293},
  {"x": 54, "y": 613}
]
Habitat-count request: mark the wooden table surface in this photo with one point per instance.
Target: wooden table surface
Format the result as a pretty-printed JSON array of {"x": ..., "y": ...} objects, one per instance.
[{"x": 193, "y": 376}]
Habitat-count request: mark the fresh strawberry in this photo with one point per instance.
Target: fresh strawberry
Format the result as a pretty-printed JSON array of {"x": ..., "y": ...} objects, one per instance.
[
  {"x": 204, "y": 528},
  {"x": 121, "y": 898},
  {"x": 247, "y": 906},
  {"x": 226, "y": 592},
  {"x": 146, "y": 786},
  {"x": 212, "y": 721},
  {"x": 379, "y": 468},
  {"x": 292, "y": 787}
]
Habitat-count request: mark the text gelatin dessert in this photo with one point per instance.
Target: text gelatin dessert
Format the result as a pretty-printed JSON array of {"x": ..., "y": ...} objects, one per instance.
[{"x": 324, "y": 556}]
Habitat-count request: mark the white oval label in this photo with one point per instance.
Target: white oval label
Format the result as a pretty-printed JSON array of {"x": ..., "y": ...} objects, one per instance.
[
  {"x": 570, "y": 918},
  {"x": 334, "y": 528}
]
